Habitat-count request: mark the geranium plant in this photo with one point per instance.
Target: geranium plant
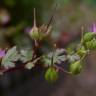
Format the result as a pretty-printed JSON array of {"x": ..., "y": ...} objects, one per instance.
[{"x": 51, "y": 61}]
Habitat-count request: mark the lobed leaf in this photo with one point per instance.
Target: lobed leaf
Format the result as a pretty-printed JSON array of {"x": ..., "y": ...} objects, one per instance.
[
  {"x": 10, "y": 57},
  {"x": 57, "y": 58},
  {"x": 26, "y": 55}
]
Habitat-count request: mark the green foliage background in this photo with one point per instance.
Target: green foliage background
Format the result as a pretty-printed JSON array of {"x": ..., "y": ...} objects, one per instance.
[{"x": 71, "y": 12}]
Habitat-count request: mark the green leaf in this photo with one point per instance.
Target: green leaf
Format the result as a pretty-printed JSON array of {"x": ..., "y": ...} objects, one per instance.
[
  {"x": 57, "y": 58},
  {"x": 11, "y": 56},
  {"x": 72, "y": 58},
  {"x": 26, "y": 55},
  {"x": 46, "y": 60}
]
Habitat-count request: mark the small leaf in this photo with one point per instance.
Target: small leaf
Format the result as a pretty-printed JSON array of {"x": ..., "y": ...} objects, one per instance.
[
  {"x": 11, "y": 56},
  {"x": 26, "y": 55},
  {"x": 58, "y": 57},
  {"x": 73, "y": 58},
  {"x": 46, "y": 60}
]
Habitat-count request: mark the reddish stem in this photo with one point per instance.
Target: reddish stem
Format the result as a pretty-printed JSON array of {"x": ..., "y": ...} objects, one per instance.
[
  {"x": 61, "y": 69},
  {"x": 3, "y": 70}
]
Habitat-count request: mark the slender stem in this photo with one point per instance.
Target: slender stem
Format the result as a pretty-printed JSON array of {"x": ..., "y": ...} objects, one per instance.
[
  {"x": 34, "y": 17},
  {"x": 83, "y": 56},
  {"x": 21, "y": 66},
  {"x": 52, "y": 60},
  {"x": 54, "y": 50},
  {"x": 82, "y": 30},
  {"x": 62, "y": 69},
  {"x": 51, "y": 19}
]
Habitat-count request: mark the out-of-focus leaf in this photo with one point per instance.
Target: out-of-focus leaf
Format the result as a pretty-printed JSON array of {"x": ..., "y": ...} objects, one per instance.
[
  {"x": 73, "y": 58},
  {"x": 46, "y": 60},
  {"x": 26, "y": 55},
  {"x": 11, "y": 56},
  {"x": 90, "y": 2},
  {"x": 58, "y": 57},
  {"x": 10, "y": 3}
]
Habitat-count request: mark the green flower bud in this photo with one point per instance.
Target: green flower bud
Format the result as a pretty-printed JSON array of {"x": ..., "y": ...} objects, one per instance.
[
  {"x": 81, "y": 51},
  {"x": 75, "y": 68},
  {"x": 51, "y": 74},
  {"x": 34, "y": 34},
  {"x": 88, "y": 36},
  {"x": 91, "y": 44},
  {"x": 41, "y": 35}
]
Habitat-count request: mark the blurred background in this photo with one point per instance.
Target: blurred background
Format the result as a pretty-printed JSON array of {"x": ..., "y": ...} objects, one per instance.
[{"x": 16, "y": 19}]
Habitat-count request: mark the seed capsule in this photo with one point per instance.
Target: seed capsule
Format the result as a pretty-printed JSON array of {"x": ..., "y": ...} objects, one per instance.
[
  {"x": 75, "y": 68},
  {"x": 51, "y": 74},
  {"x": 88, "y": 36},
  {"x": 91, "y": 44},
  {"x": 34, "y": 33},
  {"x": 81, "y": 51}
]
